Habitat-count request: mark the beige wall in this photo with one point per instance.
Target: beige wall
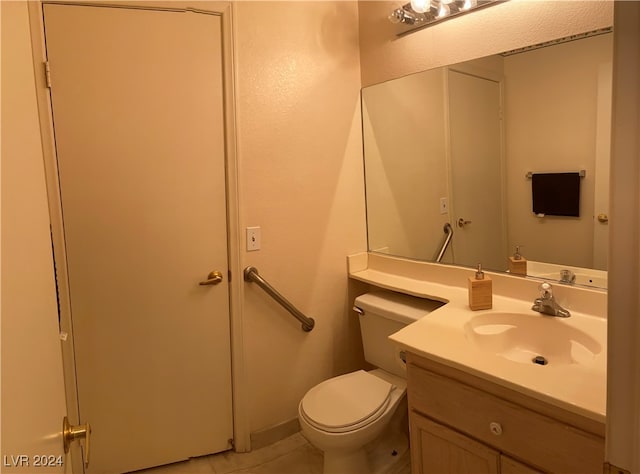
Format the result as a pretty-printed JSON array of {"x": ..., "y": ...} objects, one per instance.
[
  {"x": 300, "y": 161},
  {"x": 501, "y": 27},
  {"x": 404, "y": 142},
  {"x": 551, "y": 112}
]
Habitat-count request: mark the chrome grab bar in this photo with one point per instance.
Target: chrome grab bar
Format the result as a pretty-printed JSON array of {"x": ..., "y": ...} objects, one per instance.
[
  {"x": 448, "y": 230},
  {"x": 251, "y": 274}
]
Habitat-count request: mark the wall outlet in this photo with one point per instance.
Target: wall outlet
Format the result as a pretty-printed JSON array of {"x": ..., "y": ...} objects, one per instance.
[
  {"x": 253, "y": 238},
  {"x": 444, "y": 205}
]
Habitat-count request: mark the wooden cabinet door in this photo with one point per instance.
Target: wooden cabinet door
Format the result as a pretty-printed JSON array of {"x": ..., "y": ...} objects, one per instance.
[{"x": 436, "y": 449}]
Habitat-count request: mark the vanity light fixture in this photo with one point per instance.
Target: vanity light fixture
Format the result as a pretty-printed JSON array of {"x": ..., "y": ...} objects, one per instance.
[{"x": 421, "y": 13}]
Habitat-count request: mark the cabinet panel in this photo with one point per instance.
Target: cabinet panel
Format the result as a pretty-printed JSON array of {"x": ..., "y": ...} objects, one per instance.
[
  {"x": 511, "y": 466},
  {"x": 436, "y": 449},
  {"x": 507, "y": 427}
]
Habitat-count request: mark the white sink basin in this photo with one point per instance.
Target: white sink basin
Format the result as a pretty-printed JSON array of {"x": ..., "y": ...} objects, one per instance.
[{"x": 523, "y": 337}]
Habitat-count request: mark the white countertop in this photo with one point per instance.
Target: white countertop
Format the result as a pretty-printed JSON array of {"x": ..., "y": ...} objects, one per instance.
[{"x": 441, "y": 335}]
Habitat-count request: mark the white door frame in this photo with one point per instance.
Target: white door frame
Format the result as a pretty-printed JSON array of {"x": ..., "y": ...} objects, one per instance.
[{"x": 239, "y": 385}]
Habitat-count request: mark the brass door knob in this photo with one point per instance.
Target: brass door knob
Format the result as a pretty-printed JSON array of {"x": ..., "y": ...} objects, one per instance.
[
  {"x": 462, "y": 222},
  {"x": 70, "y": 433},
  {"x": 603, "y": 218},
  {"x": 213, "y": 278}
]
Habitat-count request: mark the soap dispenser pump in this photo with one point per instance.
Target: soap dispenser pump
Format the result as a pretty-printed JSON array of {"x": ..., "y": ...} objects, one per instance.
[
  {"x": 480, "y": 291},
  {"x": 517, "y": 263}
]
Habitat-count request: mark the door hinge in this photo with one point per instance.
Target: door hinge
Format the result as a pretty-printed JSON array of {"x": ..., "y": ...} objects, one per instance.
[{"x": 47, "y": 74}]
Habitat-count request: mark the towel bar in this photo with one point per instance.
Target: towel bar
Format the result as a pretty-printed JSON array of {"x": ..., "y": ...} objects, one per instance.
[{"x": 582, "y": 174}]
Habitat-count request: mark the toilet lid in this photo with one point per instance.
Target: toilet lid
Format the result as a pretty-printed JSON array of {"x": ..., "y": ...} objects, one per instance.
[{"x": 346, "y": 402}]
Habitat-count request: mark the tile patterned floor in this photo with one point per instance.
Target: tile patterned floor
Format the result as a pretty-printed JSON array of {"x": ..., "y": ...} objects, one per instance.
[{"x": 292, "y": 455}]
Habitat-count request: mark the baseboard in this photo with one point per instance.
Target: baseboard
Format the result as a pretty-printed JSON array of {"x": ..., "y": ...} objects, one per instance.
[{"x": 273, "y": 434}]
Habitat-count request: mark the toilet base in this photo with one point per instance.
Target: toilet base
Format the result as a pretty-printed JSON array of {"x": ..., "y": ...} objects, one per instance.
[
  {"x": 390, "y": 450},
  {"x": 378, "y": 456},
  {"x": 365, "y": 449}
]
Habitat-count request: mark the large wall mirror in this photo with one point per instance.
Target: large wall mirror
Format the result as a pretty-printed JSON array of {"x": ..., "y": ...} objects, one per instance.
[{"x": 458, "y": 145}]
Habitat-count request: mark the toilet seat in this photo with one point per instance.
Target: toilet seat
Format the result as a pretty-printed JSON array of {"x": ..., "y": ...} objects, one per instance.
[{"x": 347, "y": 402}]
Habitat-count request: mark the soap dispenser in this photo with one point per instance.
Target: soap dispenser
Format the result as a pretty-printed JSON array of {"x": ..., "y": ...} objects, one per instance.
[
  {"x": 480, "y": 291},
  {"x": 517, "y": 263}
]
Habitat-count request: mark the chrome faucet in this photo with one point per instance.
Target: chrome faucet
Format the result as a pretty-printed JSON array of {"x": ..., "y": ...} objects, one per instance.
[
  {"x": 567, "y": 276},
  {"x": 546, "y": 303}
]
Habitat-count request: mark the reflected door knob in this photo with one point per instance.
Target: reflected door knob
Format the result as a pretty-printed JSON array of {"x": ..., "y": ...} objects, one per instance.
[
  {"x": 462, "y": 222},
  {"x": 213, "y": 278}
]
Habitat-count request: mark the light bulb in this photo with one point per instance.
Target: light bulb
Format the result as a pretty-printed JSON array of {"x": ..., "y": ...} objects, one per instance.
[
  {"x": 443, "y": 10},
  {"x": 469, "y": 4},
  {"x": 446, "y": 2},
  {"x": 420, "y": 6}
]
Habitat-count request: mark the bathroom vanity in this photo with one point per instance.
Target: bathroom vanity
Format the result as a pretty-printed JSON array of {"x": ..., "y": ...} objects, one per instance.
[
  {"x": 462, "y": 423},
  {"x": 501, "y": 390}
]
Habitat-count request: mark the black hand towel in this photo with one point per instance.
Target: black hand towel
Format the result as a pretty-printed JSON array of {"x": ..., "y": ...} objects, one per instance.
[{"x": 556, "y": 194}]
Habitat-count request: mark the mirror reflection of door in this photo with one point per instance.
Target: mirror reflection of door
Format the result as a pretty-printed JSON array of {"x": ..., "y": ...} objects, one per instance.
[
  {"x": 138, "y": 114},
  {"x": 476, "y": 170}
]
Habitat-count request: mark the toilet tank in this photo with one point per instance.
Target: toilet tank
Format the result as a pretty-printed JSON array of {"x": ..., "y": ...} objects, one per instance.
[{"x": 383, "y": 313}]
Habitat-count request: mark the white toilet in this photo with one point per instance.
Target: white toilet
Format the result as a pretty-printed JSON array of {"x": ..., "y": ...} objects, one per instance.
[{"x": 340, "y": 416}]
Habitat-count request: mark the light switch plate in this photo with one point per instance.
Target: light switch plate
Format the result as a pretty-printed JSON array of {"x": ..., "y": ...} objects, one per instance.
[
  {"x": 444, "y": 205},
  {"x": 253, "y": 238}
]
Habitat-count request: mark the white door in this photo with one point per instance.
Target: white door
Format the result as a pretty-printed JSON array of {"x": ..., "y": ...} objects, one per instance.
[
  {"x": 476, "y": 171},
  {"x": 137, "y": 100},
  {"x": 33, "y": 403}
]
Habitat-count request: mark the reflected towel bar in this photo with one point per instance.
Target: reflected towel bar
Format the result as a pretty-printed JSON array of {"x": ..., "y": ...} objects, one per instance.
[
  {"x": 251, "y": 274},
  {"x": 448, "y": 230},
  {"x": 582, "y": 174}
]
